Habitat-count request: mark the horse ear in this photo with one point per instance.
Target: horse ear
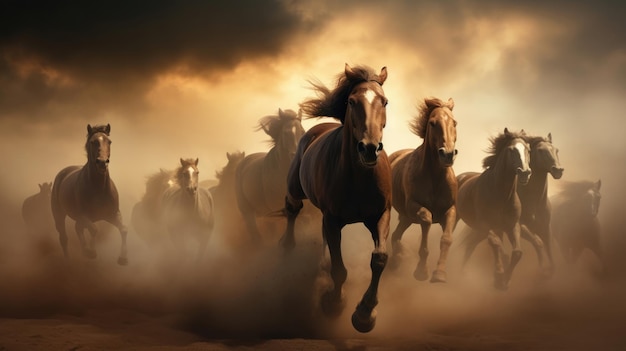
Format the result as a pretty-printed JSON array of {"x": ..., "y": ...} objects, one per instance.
[
  {"x": 280, "y": 112},
  {"x": 383, "y": 75},
  {"x": 40, "y": 186},
  {"x": 182, "y": 162},
  {"x": 348, "y": 70},
  {"x": 196, "y": 162},
  {"x": 89, "y": 129},
  {"x": 506, "y": 131},
  {"x": 450, "y": 104},
  {"x": 598, "y": 184},
  {"x": 550, "y": 137},
  {"x": 229, "y": 156},
  {"x": 107, "y": 129}
]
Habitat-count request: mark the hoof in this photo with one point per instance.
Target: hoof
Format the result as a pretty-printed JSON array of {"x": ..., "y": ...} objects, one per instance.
[
  {"x": 421, "y": 274},
  {"x": 90, "y": 253},
  {"x": 364, "y": 324},
  {"x": 331, "y": 305},
  {"x": 122, "y": 261},
  {"x": 439, "y": 277}
]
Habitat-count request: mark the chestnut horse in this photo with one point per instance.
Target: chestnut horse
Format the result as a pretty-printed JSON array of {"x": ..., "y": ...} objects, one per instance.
[
  {"x": 344, "y": 171},
  {"x": 260, "y": 177},
  {"x": 424, "y": 184},
  {"x": 488, "y": 202},
  {"x": 536, "y": 208},
  {"x": 575, "y": 220},
  {"x": 186, "y": 208},
  {"x": 87, "y": 194}
]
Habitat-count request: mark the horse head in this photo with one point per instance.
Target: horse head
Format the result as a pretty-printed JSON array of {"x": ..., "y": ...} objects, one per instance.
[
  {"x": 45, "y": 188},
  {"x": 519, "y": 150},
  {"x": 285, "y": 129},
  {"x": 98, "y": 146},
  {"x": 544, "y": 156},
  {"x": 440, "y": 129},
  {"x": 187, "y": 175},
  {"x": 366, "y": 115}
]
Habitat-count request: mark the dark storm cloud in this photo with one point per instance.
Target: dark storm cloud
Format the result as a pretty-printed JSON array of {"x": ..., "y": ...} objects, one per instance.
[{"x": 104, "y": 48}]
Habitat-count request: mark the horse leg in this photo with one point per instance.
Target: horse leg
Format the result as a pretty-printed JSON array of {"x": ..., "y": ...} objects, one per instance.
[
  {"x": 425, "y": 219},
  {"x": 364, "y": 317},
  {"x": 119, "y": 224},
  {"x": 59, "y": 222},
  {"x": 397, "y": 249},
  {"x": 495, "y": 242},
  {"x": 333, "y": 301},
  {"x": 447, "y": 226},
  {"x": 250, "y": 219},
  {"x": 292, "y": 209},
  {"x": 471, "y": 240},
  {"x": 516, "y": 255},
  {"x": 536, "y": 241},
  {"x": 88, "y": 250}
]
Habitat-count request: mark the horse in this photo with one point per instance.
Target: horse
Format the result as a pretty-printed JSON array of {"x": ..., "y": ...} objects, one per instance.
[
  {"x": 344, "y": 171},
  {"x": 36, "y": 211},
  {"x": 88, "y": 194},
  {"x": 424, "y": 184},
  {"x": 536, "y": 208},
  {"x": 260, "y": 177},
  {"x": 488, "y": 202},
  {"x": 146, "y": 212},
  {"x": 186, "y": 208},
  {"x": 575, "y": 219}
]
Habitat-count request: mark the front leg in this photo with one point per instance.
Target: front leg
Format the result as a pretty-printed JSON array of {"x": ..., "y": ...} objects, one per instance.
[
  {"x": 425, "y": 219},
  {"x": 88, "y": 249},
  {"x": 516, "y": 256},
  {"x": 448, "y": 224},
  {"x": 364, "y": 317}
]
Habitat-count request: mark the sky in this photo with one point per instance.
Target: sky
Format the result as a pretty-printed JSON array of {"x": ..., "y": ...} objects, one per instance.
[{"x": 192, "y": 78}]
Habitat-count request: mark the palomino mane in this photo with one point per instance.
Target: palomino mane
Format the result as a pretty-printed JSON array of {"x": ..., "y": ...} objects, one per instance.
[
  {"x": 228, "y": 172},
  {"x": 100, "y": 128},
  {"x": 332, "y": 103},
  {"x": 425, "y": 108},
  {"x": 499, "y": 143},
  {"x": 180, "y": 171},
  {"x": 570, "y": 189},
  {"x": 272, "y": 125}
]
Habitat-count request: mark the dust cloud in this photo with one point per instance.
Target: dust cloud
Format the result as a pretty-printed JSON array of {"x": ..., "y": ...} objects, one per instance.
[{"x": 242, "y": 292}]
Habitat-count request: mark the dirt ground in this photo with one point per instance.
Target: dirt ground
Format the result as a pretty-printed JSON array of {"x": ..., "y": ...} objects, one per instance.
[{"x": 243, "y": 298}]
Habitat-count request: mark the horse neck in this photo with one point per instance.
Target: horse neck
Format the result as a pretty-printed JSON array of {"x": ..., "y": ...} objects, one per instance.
[
  {"x": 278, "y": 157},
  {"x": 537, "y": 185},
  {"x": 92, "y": 176},
  {"x": 504, "y": 177}
]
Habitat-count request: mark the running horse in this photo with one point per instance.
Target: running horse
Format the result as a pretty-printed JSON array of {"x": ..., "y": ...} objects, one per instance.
[
  {"x": 424, "y": 184},
  {"x": 87, "y": 194},
  {"x": 536, "y": 207},
  {"x": 575, "y": 221},
  {"x": 260, "y": 177},
  {"x": 187, "y": 209},
  {"x": 488, "y": 202},
  {"x": 344, "y": 171}
]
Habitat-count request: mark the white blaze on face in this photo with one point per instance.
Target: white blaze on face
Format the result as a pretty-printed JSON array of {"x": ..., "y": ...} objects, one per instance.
[
  {"x": 522, "y": 152},
  {"x": 370, "y": 95},
  {"x": 190, "y": 171}
]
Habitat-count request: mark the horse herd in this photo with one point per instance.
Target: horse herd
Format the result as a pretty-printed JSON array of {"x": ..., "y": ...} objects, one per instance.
[{"x": 343, "y": 170}]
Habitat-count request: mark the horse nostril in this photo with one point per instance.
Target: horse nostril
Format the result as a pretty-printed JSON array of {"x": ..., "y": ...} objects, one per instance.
[
  {"x": 361, "y": 147},
  {"x": 456, "y": 152},
  {"x": 380, "y": 147}
]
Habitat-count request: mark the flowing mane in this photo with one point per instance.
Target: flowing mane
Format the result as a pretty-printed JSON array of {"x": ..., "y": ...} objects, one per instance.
[
  {"x": 498, "y": 143},
  {"x": 332, "y": 103},
  {"x": 425, "y": 108},
  {"x": 272, "y": 125}
]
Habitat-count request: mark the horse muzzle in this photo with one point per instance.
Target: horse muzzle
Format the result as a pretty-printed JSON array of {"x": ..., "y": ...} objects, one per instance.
[
  {"x": 102, "y": 164},
  {"x": 368, "y": 153},
  {"x": 523, "y": 176},
  {"x": 447, "y": 158},
  {"x": 556, "y": 172}
]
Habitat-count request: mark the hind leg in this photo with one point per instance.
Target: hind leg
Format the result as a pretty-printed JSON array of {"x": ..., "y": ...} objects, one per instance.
[
  {"x": 60, "y": 226},
  {"x": 396, "y": 246},
  {"x": 292, "y": 209}
]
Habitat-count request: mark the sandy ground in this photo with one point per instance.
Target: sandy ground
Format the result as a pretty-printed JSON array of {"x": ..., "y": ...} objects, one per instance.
[{"x": 241, "y": 298}]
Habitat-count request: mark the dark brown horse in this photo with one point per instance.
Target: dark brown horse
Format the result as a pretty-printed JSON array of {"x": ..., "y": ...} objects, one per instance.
[
  {"x": 260, "y": 177},
  {"x": 424, "y": 184},
  {"x": 87, "y": 194},
  {"x": 36, "y": 211},
  {"x": 488, "y": 202},
  {"x": 344, "y": 171},
  {"x": 187, "y": 209},
  {"x": 536, "y": 208},
  {"x": 575, "y": 219}
]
